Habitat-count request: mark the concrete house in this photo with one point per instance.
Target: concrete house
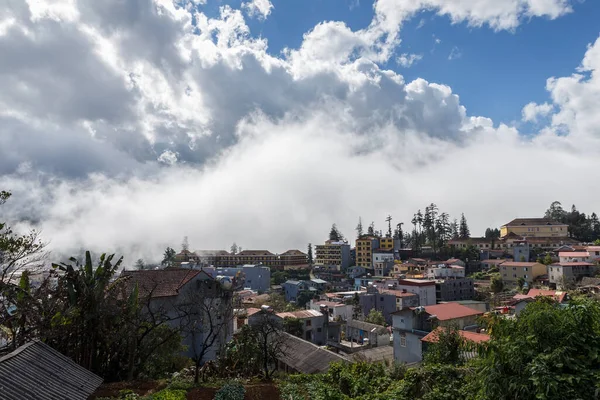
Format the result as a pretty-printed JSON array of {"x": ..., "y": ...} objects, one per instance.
[
  {"x": 365, "y": 333},
  {"x": 313, "y": 324},
  {"x": 412, "y": 324},
  {"x": 185, "y": 296},
  {"x": 574, "y": 256},
  {"x": 454, "y": 289},
  {"x": 336, "y": 310},
  {"x": 387, "y": 301},
  {"x": 511, "y": 271},
  {"x": 425, "y": 289},
  {"x": 292, "y": 289},
  {"x": 255, "y": 277},
  {"x": 569, "y": 272}
]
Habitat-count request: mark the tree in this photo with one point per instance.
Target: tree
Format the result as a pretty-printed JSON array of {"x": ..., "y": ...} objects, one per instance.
[
  {"x": 303, "y": 298},
  {"x": 18, "y": 252},
  {"x": 234, "y": 248},
  {"x": 496, "y": 284},
  {"x": 371, "y": 229},
  {"x": 454, "y": 229},
  {"x": 375, "y": 317},
  {"x": 293, "y": 326},
  {"x": 139, "y": 264},
  {"x": 267, "y": 331},
  {"x": 359, "y": 228},
  {"x": 310, "y": 254},
  {"x": 185, "y": 246},
  {"x": 389, "y": 221},
  {"x": 464, "y": 228},
  {"x": 334, "y": 234},
  {"x": 556, "y": 212},
  {"x": 535, "y": 357},
  {"x": 547, "y": 259},
  {"x": 168, "y": 257},
  {"x": 448, "y": 347},
  {"x": 520, "y": 283},
  {"x": 356, "y": 308}
]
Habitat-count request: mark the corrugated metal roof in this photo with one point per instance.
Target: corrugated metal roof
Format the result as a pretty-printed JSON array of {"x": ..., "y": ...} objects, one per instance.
[
  {"x": 37, "y": 371},
  {"x": 305, "y": 357}
]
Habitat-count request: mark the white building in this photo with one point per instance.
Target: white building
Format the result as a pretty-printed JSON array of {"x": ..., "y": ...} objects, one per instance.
[
  {"x": 424, "y": 288},
  {"x": 574, "y": 256},
  {"x": 444, "y": 271},
  {"x": 334, "y": 309}
]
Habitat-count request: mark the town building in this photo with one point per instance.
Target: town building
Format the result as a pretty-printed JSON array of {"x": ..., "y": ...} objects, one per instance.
[
  {"x": 386, "y": 301},
  {"x": 495, "y": 263},
  {"x": 293, "y": 288},
  {"x": 313, "y": 323},
  {"x": 534, "y": 227},
  {"x": 333, "y": 254},
  {"x": 412, "y": 324},
  {"x": 425, "y": 289},
  {"x": 244, "y": 257},
  {"x": 255, "y": 277},
  {"x": 293, "y": 257},
  {"x": 443, "y": 270},
  {"x": 574, "y": 256},
  {"x": 365, "y": 333},
  {"x": 335, "y": 310},
  {"x": 566, "y": 273},
  {"x": 383, "y": 262},
  {"x": 454, "y": 289},
  {"x": 511, "y": 271},
  {"x": 177, "y": 293},
  {"x": 365, "y": 246},
  {"x": 594, "y": 252},
  {"x": 386, "y": 244}
]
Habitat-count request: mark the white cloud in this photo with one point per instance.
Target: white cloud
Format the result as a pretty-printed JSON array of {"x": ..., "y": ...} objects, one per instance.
[
  {"x": 454, "y": 53},
  {"x": 124, "y": 127},
  {"x": 532, "y": 111},
  {"x": 258, "y": 8},
  {"x": 407, "y": 60}
]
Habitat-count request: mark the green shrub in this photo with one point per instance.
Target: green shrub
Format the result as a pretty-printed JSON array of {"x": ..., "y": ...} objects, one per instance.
[
  {"x": 231, "y": 391},
  {"x": 170, "y": 394}
]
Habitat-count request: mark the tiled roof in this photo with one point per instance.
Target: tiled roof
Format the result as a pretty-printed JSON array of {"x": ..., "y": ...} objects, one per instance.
[
  {"x": 593, "y": 248},
  {"x": 302, "y": 314},
  {"x": 532, "y": 221},
  {"x": 494, "y": 262},
  {"x": 376, "y": 354},
  {"x": 255, "y": 253},
  {"x": 574, "y": 254},
  {"x": 475, "y": 337},
  {"x": 162, "y": 282},
  {"x": 448, "y": 311},
  {"x": 37, "y": 371},
  {"x": 305, "y": 357},
  {"x": 555, "y": 294},
  {"x": 293, "y": 253},
  {"x": 519, "y": 264},
  {"x": 252, "y": 311}
]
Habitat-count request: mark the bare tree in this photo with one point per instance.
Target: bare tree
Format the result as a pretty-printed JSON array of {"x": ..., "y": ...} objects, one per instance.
[
  {"x": 268, "y": 330},
  {"x": 206, "y": 317}
]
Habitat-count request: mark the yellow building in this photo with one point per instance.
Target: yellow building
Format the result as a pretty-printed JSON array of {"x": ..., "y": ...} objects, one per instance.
[
  {"x": 333, "y": 253},
  {"x": 534, "y": 227},
  {"x": 511, "y": 272},
  {"x": 386, "y": 243},
  {"x": 364, "y": 251}
]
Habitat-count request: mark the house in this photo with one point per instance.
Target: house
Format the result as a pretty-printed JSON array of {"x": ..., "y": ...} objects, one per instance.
[
  {"x": 248, "y": 257},
  {"x": 453, "y": 289},
  {"x": 333, "y": 253},
  {"x": 356, "y": 272},
  {"x": 387, "y": 301},
  {"x": 594, "y": 252},
  {"x": 313, "y": 323},
  {"x": 293, "y": 288},
  {"x": 383, "y": 260},
  {"x": 487, "y": 264},
  {"x": 300, "y": 356},
  {"x": 179, "y": 295},
  {"x": 412, "y": 324},
  {"x": 335, "y": 310},
  {"x": 365, "y": 333},
  {"x": 557, "y": 295},
  {"x": 425, "y": 289},
  {"x": 470, "y": 339},
  {"x": 569, "y": 272},
  {"x": 573, "y": 256},
  {"x": 443, "y": 270},
  {"x": 319, "y": 284},
  {"x": 534, "y": 227},
  {"x": 511, "y": 271},
  {"x": 37, "y": 371},
  {"x": 255, "y": 277}
]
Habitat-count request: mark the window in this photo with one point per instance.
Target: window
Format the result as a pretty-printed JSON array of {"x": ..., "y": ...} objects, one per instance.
[
  {"x": 403, "y": 340},
  {"x": 308, "y": 322},
  {"x": 318, "y": 329},
  {"x": 525, "y": 269},
  {"x": 514, "y": 275},
  {"x": 525, "y": 276}
]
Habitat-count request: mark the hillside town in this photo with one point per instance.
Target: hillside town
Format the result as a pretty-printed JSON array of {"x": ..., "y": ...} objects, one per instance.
[{"x": 388, "y": 299}]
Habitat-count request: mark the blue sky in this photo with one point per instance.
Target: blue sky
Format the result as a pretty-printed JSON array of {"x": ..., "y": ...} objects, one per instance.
[{"x": 496, "y": 74}]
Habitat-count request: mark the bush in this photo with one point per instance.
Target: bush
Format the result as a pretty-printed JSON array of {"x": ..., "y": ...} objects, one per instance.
[
  {"x": 231, "y": 391},
  {"x": 169, "y": 394}
]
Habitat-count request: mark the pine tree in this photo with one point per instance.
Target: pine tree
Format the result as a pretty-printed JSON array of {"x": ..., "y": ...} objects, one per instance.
[
  {"x": 389, "y": 221},
  {"x": 185, "y": 246},
  {"x": 359, "y": 228},
  {"x": 139, "y": 264},
  {"x": 335, "y": 235},
  {"x": 234, "y": 248},
  {"x": 310, "y": 254},
  {"x": 454, "y": 229},
  {"x": 371, "y": 230},
  {"x": 464, "y": 228}
]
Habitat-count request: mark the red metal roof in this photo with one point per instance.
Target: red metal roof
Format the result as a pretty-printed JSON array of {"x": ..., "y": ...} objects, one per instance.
[
  {"x": 475, "y": 337},
  {"x": 448, "y": 311},
  {"x": 575, "y": 254},
  {"x": 555, "y": 294}
]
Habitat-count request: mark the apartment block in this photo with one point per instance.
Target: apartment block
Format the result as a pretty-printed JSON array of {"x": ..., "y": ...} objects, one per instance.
[
  {"x": 333, "y": 254},
  {"x": 364, "y": 250}
]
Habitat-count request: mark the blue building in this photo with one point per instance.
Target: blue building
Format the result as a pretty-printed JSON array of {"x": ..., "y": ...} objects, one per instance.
[{"x": 256, "y": 277}]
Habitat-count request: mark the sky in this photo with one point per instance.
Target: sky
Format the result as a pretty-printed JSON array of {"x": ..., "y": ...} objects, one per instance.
[{"x": 125, "y": 126}]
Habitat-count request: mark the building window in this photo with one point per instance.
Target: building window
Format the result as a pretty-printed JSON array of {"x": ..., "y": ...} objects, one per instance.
[
  {"x": 403, "y": 340},
  {"x": 318, "y": 329},
  {"x": 514, "y": 275},
  {"x": 308, "y": 322}
]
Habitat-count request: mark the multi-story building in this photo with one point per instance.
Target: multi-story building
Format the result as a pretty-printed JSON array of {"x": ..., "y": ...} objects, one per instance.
[
  {"x": 256, "y": 277},
  {"x": 386, "y": 243},
  {"x": 425, "y": 289},
  {"x": 574, "y": 256},
  {"x": 333, "y": 254},
  {"x": 445, "y": 271},
  {"x": 365, "y": 246},
  {"x": 511, "y": 271},
  {"x": 563, "y": 273},
  {"x": 410, "y": 325},
  {"x": 454, "y": 289},
  {"x": 534, "y": 227},
  {"x": 594, "y": 252},
  {"x": 293, "y": 257},
  {"x": 264, "y": 257},
  {"x": 313, "y": 323},
  {"x": 386, "y": 301}
]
